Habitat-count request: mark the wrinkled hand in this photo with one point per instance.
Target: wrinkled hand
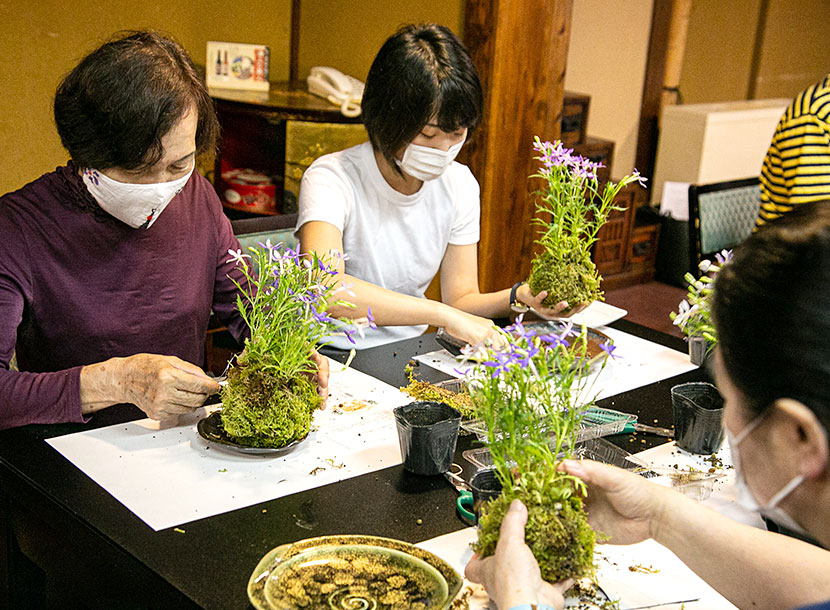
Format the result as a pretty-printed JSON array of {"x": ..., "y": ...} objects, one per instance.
[
  {"x": 620, "y": 504},
  {"x": 322, "y": 376},
  {"x": 474, "y": 330},
  {"x": 561, "y": 310},
  {"x": 162, "y": 386},
  {"x": 511, "y": 576}
]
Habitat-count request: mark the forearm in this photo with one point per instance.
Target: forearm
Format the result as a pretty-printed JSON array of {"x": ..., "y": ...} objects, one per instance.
[
  {"x": 485, "y": 304},
  {"x": 101, "y": 386},
  {"x": 39, "y": 398},
  {"x": 753, "y": 568},
  {"x": 389, "y": 308}
]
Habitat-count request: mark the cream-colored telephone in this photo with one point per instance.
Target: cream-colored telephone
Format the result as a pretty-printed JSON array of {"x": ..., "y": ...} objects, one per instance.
[{"x": 338, "y": 88}]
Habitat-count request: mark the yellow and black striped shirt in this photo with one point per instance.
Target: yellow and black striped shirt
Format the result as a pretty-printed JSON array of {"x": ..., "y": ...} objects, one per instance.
[{"x": 797, "y": 166}]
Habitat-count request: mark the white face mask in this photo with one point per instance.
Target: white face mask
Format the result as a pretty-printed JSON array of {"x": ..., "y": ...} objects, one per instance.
[
  {"x": 425, "y": 163},
  {"x": 746, "y": 498},
  {"x": 137, "y": 205}
]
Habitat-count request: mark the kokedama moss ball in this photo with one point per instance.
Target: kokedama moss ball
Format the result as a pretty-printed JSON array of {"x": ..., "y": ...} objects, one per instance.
[
  {"x": 567, "y": 276},
  {"x": 557, "y": 533},
  {"x": 266, "y": 410}
]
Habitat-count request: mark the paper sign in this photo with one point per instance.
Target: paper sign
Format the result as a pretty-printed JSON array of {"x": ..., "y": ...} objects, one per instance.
[
  {"x": 232, "y": 65},
  {"x": 675, "y": 200}
]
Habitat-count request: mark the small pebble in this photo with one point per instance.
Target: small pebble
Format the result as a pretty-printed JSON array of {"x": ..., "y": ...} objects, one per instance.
[{"x": 419, "y": 521}]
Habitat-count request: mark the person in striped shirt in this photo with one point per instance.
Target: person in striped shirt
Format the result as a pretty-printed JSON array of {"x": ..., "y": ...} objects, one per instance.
[{"x": 797, "y": 166}]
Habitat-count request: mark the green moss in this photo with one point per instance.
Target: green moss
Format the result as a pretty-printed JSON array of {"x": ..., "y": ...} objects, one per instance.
[
  {"x": 557, "y": 531},
  {"x": 460, "y": 401},
  {"x": 567, "y": 276},
  {"x": 261, "y": 409}
]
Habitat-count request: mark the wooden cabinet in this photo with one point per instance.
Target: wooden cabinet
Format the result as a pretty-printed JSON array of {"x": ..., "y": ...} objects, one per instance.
[
  {"x": 614, "y": 238},
  {"x": 267, "y": 140},
  {"x": 626, "y": 248}
]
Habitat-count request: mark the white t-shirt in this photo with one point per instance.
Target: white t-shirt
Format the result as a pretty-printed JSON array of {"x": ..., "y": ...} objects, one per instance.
[{"x": 390, "y": 239}]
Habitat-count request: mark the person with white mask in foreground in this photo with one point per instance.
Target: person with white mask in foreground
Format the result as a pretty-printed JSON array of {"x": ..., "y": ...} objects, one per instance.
[{"x": 772, "y": 366}]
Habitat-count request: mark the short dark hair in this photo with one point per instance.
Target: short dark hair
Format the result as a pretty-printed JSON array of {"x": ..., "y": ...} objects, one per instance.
[
  {"x": 772, "y": 313},
  {"x": 421, "y": 72},
  {"x": 115, "y": 106}
]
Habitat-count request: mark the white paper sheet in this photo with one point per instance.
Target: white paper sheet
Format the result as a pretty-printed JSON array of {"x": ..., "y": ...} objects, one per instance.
[
  {"x": 636, "y": 363},
  {"x": 647, "y": 574},
  {"x": 598, "y": 314},
  {"x": 171, "y": 476},
  {"x": 675, "y": 200}
]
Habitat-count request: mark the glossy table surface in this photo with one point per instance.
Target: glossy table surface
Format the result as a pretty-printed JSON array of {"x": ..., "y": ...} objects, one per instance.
[{"x": 100, "y": 552}]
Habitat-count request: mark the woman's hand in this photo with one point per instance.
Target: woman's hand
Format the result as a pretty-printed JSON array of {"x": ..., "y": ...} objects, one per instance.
[
  {"x": 620, "y": 504},
  {"x": 162, "y": 386},
  {"x": 511, "y": 576},
  {"x": 322, "y": 376},
  {"x": 560, "y": 310},
  {"x": 473, "y": 329}
]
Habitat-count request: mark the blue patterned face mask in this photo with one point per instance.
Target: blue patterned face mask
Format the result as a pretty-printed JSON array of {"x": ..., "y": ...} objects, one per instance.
[
  {"x": 137, "y": 205},
  {"x": 771, "y": 510}
]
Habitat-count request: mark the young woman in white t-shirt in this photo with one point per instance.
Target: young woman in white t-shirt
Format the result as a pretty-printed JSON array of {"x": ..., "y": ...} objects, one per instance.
[{"x": 400, "y": 208}]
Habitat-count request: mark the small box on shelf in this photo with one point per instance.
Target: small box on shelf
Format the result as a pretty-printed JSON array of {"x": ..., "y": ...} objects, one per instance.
[
  {"x": 574, "y": 123},
  {"x": 613, "y": 238},
  {"x": 598, "y": 150}
]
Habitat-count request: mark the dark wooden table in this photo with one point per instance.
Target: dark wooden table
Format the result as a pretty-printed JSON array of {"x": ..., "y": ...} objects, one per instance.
[{"x": 97, "y": 554}]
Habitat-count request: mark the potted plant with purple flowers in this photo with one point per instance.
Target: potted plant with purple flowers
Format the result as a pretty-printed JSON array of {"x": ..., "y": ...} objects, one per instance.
[
  {"x": 571, "y": 208},
  {"x": 693, "y": 316},
  {"x": 532, "y": 397},
  {"x": 271, "y": 393}
]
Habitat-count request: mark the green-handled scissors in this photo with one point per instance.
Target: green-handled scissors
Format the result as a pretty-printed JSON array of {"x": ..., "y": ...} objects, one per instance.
[{"x": 464, "y": 501}]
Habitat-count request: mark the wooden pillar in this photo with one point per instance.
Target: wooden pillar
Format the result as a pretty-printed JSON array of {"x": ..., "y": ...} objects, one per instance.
[
  {"x": 653, "y": 87},
  {"x": 520, "y": 48},
  {"x": 675, "y": 49}
]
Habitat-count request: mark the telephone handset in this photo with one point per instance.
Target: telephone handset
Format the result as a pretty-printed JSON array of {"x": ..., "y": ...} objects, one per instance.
[{"x": 338, "y": 88}]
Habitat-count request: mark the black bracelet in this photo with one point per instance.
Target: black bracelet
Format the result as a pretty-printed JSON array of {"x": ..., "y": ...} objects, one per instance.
[{"x": 515, "y": 304}]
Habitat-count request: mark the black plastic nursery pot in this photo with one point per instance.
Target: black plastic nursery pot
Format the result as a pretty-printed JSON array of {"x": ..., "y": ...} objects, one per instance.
[
  {"x": 698, "y": 417},
  {"x": 427, "y": 433},
  {"x": 485, "y": 486}
]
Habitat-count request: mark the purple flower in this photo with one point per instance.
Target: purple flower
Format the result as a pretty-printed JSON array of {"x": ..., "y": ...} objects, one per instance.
[
  {"x": 724, "y": 256},
  {"x": 370, "y": 317},
  {"x": 321, "y": 316},
  {"x": 554, "y": 340},
  {"x": 609, "y": 348},
  {"x": 640, "y": 179}
]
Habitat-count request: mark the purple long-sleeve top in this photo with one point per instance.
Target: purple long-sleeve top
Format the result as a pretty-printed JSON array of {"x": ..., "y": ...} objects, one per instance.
[{"x": 78, "y": 287}]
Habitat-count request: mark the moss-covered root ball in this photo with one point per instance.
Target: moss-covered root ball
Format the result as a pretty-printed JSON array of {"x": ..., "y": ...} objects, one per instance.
[
  {"x": 263, "y": 410},
  {"x": 558, "y": 535},
  {"x": 570, "y": 277}
]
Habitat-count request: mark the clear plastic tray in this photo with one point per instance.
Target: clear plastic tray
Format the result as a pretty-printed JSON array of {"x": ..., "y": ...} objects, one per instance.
[
  {"x": 697, "y": 484},
  {"x": 597, "y": 449},
  {"x": 453, "y": 385},
  {"x": 597, "y": 423}
]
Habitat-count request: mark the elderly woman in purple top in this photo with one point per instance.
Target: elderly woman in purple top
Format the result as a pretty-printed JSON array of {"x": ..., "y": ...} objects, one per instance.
[{"x": 111, "y": 265}]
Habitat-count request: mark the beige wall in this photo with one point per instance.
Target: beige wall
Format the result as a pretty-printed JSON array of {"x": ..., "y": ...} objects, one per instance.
[
  {"x": 719, "y": 44},
  {"x": 717, "y": 65},
  {"x": 347, "y": 34},
  {"x": 607, "y": 60},
  {"x": 43, "y": 39},
  {"x": 801, "y": 57}
]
